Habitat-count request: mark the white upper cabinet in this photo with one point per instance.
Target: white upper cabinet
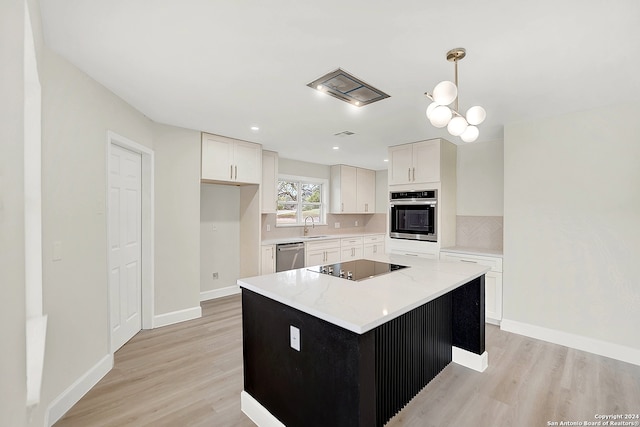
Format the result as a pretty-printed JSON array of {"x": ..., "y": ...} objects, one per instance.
[
  {"x": 353, "y": 190},
  {"x": 365, "y": 190},
  {"x": 269, "y": 181},
  {"x": 400, "y": 164},
  {"x": 418, "y": 162},
  {"x": 229, "y": 160}
]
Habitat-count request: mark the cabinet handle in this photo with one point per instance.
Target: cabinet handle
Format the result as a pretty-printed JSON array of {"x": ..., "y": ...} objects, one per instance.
[
  {"x": 409, "y": 174},
  {"x": 468, "y": 260},
  {"x": 230, "y": 171},
  {"x": 414, "y": 174},
  {"x": 375, "y": 249},
  {"x": 236, "y": 167},
  {"x": 341, "y": 207}
]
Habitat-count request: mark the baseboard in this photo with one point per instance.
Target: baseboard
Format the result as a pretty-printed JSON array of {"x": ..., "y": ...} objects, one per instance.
[
  {"x": 477, "y": 362},
  {"x": 492, "y": 321},
  {"x": 219, "y": 293},
  {"x": 578, "y": 342},
  {"x": 173, "y": 317},
  {"x": 61, "y": 404},
  {"x": 258, "y": 413}
]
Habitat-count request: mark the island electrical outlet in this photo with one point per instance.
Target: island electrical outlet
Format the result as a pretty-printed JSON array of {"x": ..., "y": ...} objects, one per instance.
[{"x": 294, "y": 334}]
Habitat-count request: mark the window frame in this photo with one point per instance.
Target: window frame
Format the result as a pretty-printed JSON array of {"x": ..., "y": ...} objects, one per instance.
[{"x": 324, "y": 199}]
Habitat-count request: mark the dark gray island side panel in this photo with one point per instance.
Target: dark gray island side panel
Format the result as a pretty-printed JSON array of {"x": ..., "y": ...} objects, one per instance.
[
  {"x": 329, "y": 382},
  {"x": 468, "y": 316}
]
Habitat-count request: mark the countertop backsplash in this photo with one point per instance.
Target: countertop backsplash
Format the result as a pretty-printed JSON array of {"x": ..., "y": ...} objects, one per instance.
[
  {"x": 483, "y": 232},
  {"x": 367, "y": 224}
]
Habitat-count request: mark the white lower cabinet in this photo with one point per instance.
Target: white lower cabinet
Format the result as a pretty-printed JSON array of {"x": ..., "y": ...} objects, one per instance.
[
  {"x": 493, "y": 296},
  {"x": 351, "y": 248},
  {"x": 427, "y": 255},
  {"x": 373, "y": 245},
  {"x": 492, "y": 282},
  {"x": 322, "y": 252},
  {"x": 268, "y": 259}
]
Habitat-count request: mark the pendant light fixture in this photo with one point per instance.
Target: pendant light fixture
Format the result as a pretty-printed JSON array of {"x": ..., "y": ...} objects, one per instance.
[{"x": 439, "y": 112}]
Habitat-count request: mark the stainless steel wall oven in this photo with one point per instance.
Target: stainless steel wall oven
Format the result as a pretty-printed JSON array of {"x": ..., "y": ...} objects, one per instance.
[{"x": 413, "y": 215}]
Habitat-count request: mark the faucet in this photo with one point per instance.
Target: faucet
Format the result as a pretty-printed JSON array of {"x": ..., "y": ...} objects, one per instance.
[{"x": 306, "y": 228}]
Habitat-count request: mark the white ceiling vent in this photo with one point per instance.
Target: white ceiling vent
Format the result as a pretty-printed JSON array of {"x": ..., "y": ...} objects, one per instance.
[{"x": 348, "y": 88}]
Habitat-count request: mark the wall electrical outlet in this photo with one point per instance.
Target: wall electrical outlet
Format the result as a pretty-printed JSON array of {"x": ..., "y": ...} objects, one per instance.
[
  {"x": 336, "y": 225},
  {"x": 215, "y": 276},
  {"x": 356, "y": 223},
  {"x": 294, "y": 334},
  {"x": 268, "y": 227}
]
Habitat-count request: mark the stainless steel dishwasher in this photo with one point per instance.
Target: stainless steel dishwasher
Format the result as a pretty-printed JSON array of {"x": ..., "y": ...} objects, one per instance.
[{"x": 289, "y": 256}]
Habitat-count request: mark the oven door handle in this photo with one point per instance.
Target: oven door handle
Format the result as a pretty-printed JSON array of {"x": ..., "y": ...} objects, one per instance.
[{"x": 418, "y": 203}]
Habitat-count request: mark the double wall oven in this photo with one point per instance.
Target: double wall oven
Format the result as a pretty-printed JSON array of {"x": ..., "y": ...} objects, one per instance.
[{"x": 413, "y": 215}]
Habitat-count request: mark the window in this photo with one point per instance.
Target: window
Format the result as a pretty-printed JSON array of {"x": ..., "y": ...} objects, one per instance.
[{"x": 300, "y": 197}]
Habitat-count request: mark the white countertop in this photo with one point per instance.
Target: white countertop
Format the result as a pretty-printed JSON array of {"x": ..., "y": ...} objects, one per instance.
[
  {"x": 362, "y": 306},
  {"x": 315, "y": 238},
  {"x": 466, "y": 250}
]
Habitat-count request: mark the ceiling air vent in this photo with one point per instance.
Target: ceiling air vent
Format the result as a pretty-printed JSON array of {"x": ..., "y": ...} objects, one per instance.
[
  {"x": 344, "y": 133},
  {"x": 348, "y": 88}
]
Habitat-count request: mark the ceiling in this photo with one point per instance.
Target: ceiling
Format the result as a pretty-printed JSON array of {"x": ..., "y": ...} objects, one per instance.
[{"x": 224, "y": 66}]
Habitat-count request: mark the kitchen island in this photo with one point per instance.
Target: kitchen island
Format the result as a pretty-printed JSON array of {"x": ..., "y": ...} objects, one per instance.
[{"x": 321, "y": 350}]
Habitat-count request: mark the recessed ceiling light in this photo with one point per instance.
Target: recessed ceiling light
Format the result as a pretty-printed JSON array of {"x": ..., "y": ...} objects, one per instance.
[
  {"x": 255, "y": 128},
  {"x": 319, "y": 87},
  {"x": 336, "y": 148}
]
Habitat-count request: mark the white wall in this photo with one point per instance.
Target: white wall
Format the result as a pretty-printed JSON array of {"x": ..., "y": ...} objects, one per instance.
[
  {"x": 177, "y": 213},
  {"x": 219, "y": 247},
  {"x": 382, "y": 192},
  {"x": 76, "y": 114},
  {"x": 572, "y": 224},
  {"x": 296, "y": 167},
  {"x": 480, "y": 172},
  {"x": 12, "y": 280}
]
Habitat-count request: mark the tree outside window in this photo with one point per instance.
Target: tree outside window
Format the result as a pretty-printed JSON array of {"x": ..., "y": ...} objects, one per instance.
[{"x": 298, "y": 199}]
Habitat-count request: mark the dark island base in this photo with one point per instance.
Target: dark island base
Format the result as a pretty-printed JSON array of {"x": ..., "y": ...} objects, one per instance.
[{"x": 341, "y": 378}]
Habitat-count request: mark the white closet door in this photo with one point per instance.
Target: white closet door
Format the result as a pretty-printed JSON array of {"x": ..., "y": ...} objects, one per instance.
[{"x": 125, "y": 236}]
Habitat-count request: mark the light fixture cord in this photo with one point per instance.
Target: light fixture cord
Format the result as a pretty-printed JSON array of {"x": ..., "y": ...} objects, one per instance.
[{"x": 455, "y": 62}]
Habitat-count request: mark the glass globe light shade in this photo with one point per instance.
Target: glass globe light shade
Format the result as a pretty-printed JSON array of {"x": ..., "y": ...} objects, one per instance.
[
  {"x": 476, "y": 115},
  {"x": 440, "y": 116},
  {"x": 457, "y": 126},
  {"x": 445, "y": 93},
  {"x": 470, "y": 134},
  {"x": 430, "y": 109}
]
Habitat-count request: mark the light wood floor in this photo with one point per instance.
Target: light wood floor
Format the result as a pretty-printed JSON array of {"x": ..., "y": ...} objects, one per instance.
[{"x": 190, "y": 374}]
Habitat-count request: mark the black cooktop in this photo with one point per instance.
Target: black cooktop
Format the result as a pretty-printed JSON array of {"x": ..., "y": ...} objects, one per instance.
[{"x": 357, "y": 270}]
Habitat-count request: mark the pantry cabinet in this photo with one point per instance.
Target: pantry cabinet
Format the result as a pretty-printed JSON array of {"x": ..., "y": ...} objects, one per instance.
[
  {"x": 353, "y": 190},
  {"x": 227, "y": 160}
]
